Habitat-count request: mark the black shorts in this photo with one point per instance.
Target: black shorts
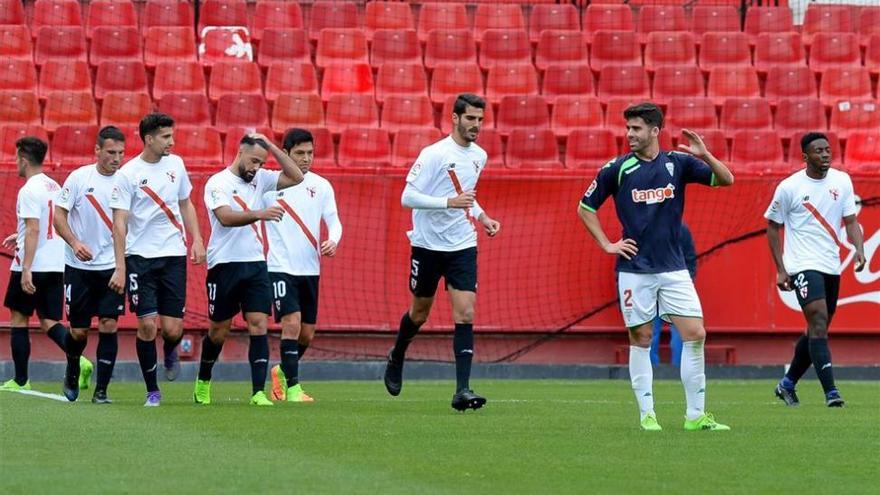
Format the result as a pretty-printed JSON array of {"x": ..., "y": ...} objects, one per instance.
[
  {"x": 812, "y": 285},
  {"x": 156, "y": 285},
  {"x": 238, "y": 287},
  {"x": 295, "y": 294},
  {"x": 459, "y": 268},
  {"x": 47, "y": 300},
  {"x": 87, "y": 295}
]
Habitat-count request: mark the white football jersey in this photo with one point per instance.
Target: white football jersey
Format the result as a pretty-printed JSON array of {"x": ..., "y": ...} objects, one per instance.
[
  {"x": 151, "y": 193},
  {"x": 86, "y": 197},
  {"x": 244, "y": 243},
  {"x": 36, "y": 199},
  {"x": 443, "y": 169},
  {"x": 812, "y": 211},
  {"x": 294, "y": 242}
]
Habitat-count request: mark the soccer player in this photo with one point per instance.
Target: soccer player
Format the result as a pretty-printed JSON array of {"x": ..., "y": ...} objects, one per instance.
[
  {"x": 441, "y": 190},
  {"x": 811, "y": 204},
  {"x": 82, "y": 219},
  {"x": 238, "y": 279},
  {"x": 295, "y": 263},
  {"x": 648, "y": 186},
  {"x": 36, "y": 278},
  {"x": 152, "y": 213}
]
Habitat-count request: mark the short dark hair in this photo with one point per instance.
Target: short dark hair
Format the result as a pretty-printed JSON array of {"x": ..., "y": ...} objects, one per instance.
[
  {"x": 808, "y": 139},
  {"x": 296, "y": 136},
  {"x": 152, "y": 122},
  {"x": 465, "y": 100},
  {"x": 649, "y": 112},
  {"x": 110, "y": 132},
  {"x": 247, "y": 140},
  {"x": 32, "y": 149}
]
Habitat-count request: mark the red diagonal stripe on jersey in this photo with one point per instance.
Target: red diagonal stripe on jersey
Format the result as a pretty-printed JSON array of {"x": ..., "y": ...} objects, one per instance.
[
  {"x": 299, "y": 221},
  {"x": 101, "y": 213},
  {"x": 244, "y": 207},
  {"x": 456, "y": 184},
  {"x": 17, "y": 260},
  {"x": 170, "y": 214},
  {"x": 812, "y": 209}
]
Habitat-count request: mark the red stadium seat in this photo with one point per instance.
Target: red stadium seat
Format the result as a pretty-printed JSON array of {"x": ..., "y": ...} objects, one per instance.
[
  {"x": 561, "y": 47},
  {"x": 349, "y": 78},
  {"x": 490, "y": 141},
  {"x": 10, "y": 133},
  {"x": 446, "y": 116},
  {"x": 518, "y": 79},
  {"x": 120, "y": 76},
  {"x": 614, "y": 108},
  {"x": 863, "y": 150},
  {"x": 623, "y": 82},
  {"x": 522, "y": 112},
  {"x": 869, "y": 23},
  {"x": 758, "y": 150},
  {"x": 768, "y": 20},
  {"x": 15, "y": 42},
  {"x": 450, "y": 46},
  {"x": 406, "y": 112},
  {"x": 778, "y": 50},
  {"x": 872, "y": 54},
  {"x": 74, "y": 145},
  {"x": 845, "y": 84},
  {"x": 178, "y": 77},
  {"x": 834, "y": 50},
  {"x": 690, "y": 113},
  {"x": 341, "y": 46},
  {"x": 284, "y": 45},
  {"x": 674, "y": 81},
  {"x": 12, "y": 13},
  {"x": 408, "y": 143},
  {"x": 746, "y": 114},
  {"x": 733, "y": 82},
  {"x": 222, "y": 13},
  {"x": 497, "y": 16},
  {"x": 590, "y": 148},
  {"x": 401, "y": 80},
  {"x": 200, "y": 147},
  {"x": 661, "y": 18},
  {"x": 720, "y": 49},
  {"x": 565, "y": 79},
  {"x": 64, "y": 75},
  {"x": 222, "y": 44},
  {"x": 19, "y": 107},
  {"x": 714, "y": 139},
  {"x": 794, "y": 115},
  {"x": 169, "y": 44},
  {"x": 827, "y": 19},
  {"x": 614, "y": 48},
  {"x": 454, "y": 79},
  {"x": 796, "y": 156},
  {"x": 670, "y": 48},
  {"x": 69, "y": 108},
  {"x": 848, "y": 117},
  {"x": 115, "y": 44},
  {"x": 364, "y": 147},
  {"x": 290, "y": 77},
  {"x": 112, "y": 13},
  {"x": 561, "y": 17},
  {"x": 441, "y": 16},
  {"x": 17, "y": 75},
  {"x": 715, "y": 18},
  {"x": 275, "y": 14},
  {"x": 533, "y": 148},
  {"x": 188, "y": 109},
  {"x": 234, "y": 78},
  {"x": 790, "y": 82},
  {"x": 56, "y": 13},
  {"x": 351, "y": 110},
  {"x": 502, "y": 47},
  {"x": 242, "y": 110},
  {"x": 66, "y": 43},
  {"x": 330, "y": 14},
  {"x": 607, "y": 17},
  {"x": 297, "y": 110},
  {"x": 168, "y": 13},
  {"x": 387, "y": 15},
  {"x": 576, "y": 112},
  {"x": 396, "y": 46}
]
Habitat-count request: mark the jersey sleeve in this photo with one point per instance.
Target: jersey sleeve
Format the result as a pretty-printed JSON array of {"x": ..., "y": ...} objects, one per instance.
[
  {"x": 778, "y": 209},
  {"x": 422, "y": 171},
  {"x": 330, "y": 215},
  {"x": 696, "y": 170},
  {"x": 849, "y": 199},
  {"x": 66, "y": 197},
  {"x": 123, "y": 191},
  {"x": 185, "y": 184},
  {"x": 604, "y": 185},
  {"x": 215, "y": 195},
  {"x": 28, "y": 204},
  {"x": 267, "y": 180}
]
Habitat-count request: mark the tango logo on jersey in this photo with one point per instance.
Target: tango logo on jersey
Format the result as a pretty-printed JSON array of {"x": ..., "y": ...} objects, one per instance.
[
  {"x": 311, "y": 191},
  {"x": 834, "y": 193},
  {"x": 651, "y": 196},
  {"x": 171, "y": 176}
]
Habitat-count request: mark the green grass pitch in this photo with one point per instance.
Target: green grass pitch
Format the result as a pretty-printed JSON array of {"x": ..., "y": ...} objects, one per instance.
[{"x": 532, "y": 437}]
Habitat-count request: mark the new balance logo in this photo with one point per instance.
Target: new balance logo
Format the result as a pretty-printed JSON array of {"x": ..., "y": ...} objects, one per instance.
[
  {"x": 652, "y": 196},
  {"x": 291, "y": 353},
  {"x": 258, "y": 361},
  {"x": 827, "y": 365}
]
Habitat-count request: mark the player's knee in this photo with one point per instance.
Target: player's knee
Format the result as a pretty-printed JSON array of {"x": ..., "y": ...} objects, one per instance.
[
  {"x": 79, "y": 334},
  {"x": 641, "y": 337},
  {"x": 419, "y": 315},
  {"x": 464, "y": 315},
  {"x": 107, "y": 325},
  {"x": 147, "y": 329}
]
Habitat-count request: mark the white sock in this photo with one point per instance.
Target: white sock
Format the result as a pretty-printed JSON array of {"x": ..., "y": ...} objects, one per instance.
[
  {"x": 693, "y": 377},
  {"x": 641, "y": 374}
]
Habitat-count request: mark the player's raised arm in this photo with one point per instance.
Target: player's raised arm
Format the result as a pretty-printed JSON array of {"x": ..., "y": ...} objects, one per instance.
[
  {"x": 291, "y": 174},
  {"x": 722, "y": 176}
]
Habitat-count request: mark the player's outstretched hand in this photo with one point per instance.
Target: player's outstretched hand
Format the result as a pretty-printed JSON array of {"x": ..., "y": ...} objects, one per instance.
[
  {"x": 197, "y": 253},
  {"x": 491, "y": 225},
  {"x": 783, "y": 281},
  {"x": 273, "y": 213},
  {"x": 9, "y": 241},
  {"x": 624, "y": 247},
  {"x": 117, "y": 281},
  {"x": 82, "y": 252},
  {"x": 860, "y": 261},
  {"x": 464, "y": 200},
  {"x": 328, "y": 248},
  {"x": 27, "y": 282},
  {"x": 695, "y": 145}
]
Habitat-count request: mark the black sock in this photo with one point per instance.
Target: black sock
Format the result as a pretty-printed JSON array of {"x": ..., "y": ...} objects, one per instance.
[
  {"x": 146, "y": 352},
  {"x": 108, "y": 347},
  {"x": 290, "y": 361},
  {"x": 168, "y": 345},
  {"x": 408, "y": 330},
  {"x": 258, "y": 356},
  {"x": 75, "y": 349},
  {"x": 20, "y": 341},
  {"x": 821, "y": 356},
  {"x": 210, "y": 353},
  {"x": 801, "y": 361},
  {"x": 301, "y": 349},
  {"x": 463, "y": 347},
  {"x": 58, "y": 333}
]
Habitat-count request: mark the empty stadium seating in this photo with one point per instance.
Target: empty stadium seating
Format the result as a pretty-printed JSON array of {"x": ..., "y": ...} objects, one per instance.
[
  {"x": 364, "y": 147},
  {"x": 561, "y": 47},
  {"x": 564, "y": 17},
  {"x": 169, "y": 44},
  {"x": 297, "y": 110},
  {"x": 10, "y": 133},
  {"x": 15, "y": 42},
  {"x": 74, "y": 144},
  {"x": 724, "y": 48},
  {"x": 396, "y": 46},
  {"x": 454, "y": 79},
  {"x": 275, "y": 14},
  {"x": 111, "y": 43},
  {"x": 408, "y": 143},
  {"x": 109, "y": 13},
  {"x": 534, "y": 148},
  {"x": 401, "y": 112},
  {"x": 590, "y": 148},
  {"x": 284, "y": 45},
  {"x": 188, "y": 109},
  {"x": 290, "y": 77},
  {"x": 387, "y": 15},
  {"x": 567, "y": 79},
  {"x": 401, "y": 79},
  {"x": 576, "y": 112},
  {"x": 441, "y": 16}
]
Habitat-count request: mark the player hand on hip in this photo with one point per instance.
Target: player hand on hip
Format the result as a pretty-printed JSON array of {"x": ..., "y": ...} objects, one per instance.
[
  {"x": 491, "y": 225},
  {"x": 27, "y": 282},
  {"x": 273, "y": 213},
  {"x": 696, "y": 145},
  {"x": 197, "y": 253},
  {"x": 82, "y": 252},
  {"x": 328, "y": 248},
  {"x": 464, "y": 200},
  {"x": 624, "y": 247},
  {"x": 783, "y": 281},
  {"x": 9, "y": 242}
]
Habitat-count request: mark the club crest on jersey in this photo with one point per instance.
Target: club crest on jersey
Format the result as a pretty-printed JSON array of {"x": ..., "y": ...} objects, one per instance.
[
  {"x": 477, "y": 166},
  {"x": 312, "y": 191},
  {"x": 834, "y": 194},
  {"x": 65, "y": 194},
  {"x": 90, "y": 190},
  {"x": 171, "y": 176},
  {"x": 414, "y": 172},
  {"x": 671, "y": 168},
  {"x": 449, "y": 166},
  {"x": 144, "y": 182},
  {"x": 216, "y": 195},
  {"x": 652, "y": 196}
]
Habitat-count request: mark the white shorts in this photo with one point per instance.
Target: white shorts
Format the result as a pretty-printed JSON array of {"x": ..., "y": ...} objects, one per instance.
[{"x": 645, "y": 295}]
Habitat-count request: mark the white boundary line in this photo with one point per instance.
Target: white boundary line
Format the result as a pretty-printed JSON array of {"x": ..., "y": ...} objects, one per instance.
[{"x": 36, "y": 393}]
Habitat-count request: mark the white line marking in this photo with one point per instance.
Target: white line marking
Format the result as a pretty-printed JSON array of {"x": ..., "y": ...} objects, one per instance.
[{"x": 44, "y": 395}]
